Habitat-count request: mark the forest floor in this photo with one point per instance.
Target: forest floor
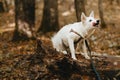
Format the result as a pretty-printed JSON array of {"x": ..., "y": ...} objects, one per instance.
[{"x": 24, "y": 60}]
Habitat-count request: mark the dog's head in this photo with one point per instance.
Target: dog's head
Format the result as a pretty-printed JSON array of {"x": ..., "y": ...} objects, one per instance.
[{"x": 90, "y": 22}]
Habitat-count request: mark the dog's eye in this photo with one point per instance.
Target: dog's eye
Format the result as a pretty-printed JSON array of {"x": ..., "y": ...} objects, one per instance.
[{"x": 90, "y": 20}]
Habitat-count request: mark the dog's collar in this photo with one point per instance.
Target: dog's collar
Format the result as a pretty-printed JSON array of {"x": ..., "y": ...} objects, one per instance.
[
  {"x": 78, "y": 35},
  {"x": 81, "y": 35}
]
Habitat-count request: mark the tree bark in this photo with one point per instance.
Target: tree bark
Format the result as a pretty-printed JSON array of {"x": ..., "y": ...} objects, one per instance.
[
  {"x": 50, "y": 16},
  {"x": 79, "y": 7},
  {"x": 103, "y": 24},
  {"x": 1, "y": 7},
  {"x": 6, "y": 5},
  {"x": 24, "y": 19}
]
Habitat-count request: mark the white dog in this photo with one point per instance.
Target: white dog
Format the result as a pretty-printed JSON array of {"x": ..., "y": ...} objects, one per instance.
[{"x": 67, "y": 38}]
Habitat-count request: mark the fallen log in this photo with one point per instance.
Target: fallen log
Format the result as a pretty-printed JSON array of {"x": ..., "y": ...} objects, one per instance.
[
  {"x": 64, "y": 68},
  {"x": 68, "y": 69}
]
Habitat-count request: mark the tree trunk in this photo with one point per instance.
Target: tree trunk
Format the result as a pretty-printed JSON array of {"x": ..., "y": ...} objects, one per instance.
[
  {"x": 50, "y": 16},
  {"x": 103, "y": 25},
  {"x": 79, "y": 7},
  {"x": 118, "y": 2},
  {"x": 1, "y": 7},
  {"x": 6, "y": 5},
  {"x": 24, "y": 19}
]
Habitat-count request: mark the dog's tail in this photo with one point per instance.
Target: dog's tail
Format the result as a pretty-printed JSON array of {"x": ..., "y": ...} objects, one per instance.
[
  {"x": 53, "y": 44},
  {"x": 56, "y": 42}
]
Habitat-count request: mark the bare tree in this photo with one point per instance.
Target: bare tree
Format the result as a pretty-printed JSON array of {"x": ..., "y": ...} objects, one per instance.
[
  {"x": 24, "y": 19},
  {"x": 118, "y": 1},
  {"x": 79, "y": 7},
  {"x": 50, "y": 16},
  {"x": 4, "y": 6},
  {"x": 103, "y": 25},
  {"x": 1, "y": 6}
]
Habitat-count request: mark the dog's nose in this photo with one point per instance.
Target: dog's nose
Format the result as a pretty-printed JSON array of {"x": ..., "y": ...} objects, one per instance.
[{"x": 98, "y": 21}]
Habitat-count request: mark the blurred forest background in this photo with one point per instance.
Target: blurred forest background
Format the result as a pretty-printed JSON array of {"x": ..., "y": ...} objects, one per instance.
[{"x": 24, "y": 21}]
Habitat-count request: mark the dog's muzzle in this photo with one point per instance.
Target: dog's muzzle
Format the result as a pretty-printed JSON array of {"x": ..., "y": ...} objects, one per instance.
[{"x": 96, "y": 24}]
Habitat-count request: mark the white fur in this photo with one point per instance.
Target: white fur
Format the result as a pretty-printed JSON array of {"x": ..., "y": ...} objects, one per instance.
[{"x": 67, "y": 38}]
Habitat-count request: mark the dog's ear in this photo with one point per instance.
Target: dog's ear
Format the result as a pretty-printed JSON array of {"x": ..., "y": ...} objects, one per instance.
[
  {"x": 92, "y": 14},
  {"x": 83, "y": 17}
]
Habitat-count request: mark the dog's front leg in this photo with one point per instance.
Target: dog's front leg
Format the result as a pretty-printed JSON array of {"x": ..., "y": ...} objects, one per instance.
[
  {"x": 72, "y": 49},
  {"x": 85, "y": 53}
]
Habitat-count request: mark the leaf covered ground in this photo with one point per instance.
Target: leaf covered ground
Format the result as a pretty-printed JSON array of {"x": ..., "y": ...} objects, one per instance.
[{"x": 24, "y": 60}]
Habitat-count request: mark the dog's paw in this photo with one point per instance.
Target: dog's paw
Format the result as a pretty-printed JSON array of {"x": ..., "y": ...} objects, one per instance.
[
  {"x": 64, "y": 52},
  {"x": 87, "y": 57},
  {"x": 77, "y": 53},
  {"x": 74, "y": 58}
]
